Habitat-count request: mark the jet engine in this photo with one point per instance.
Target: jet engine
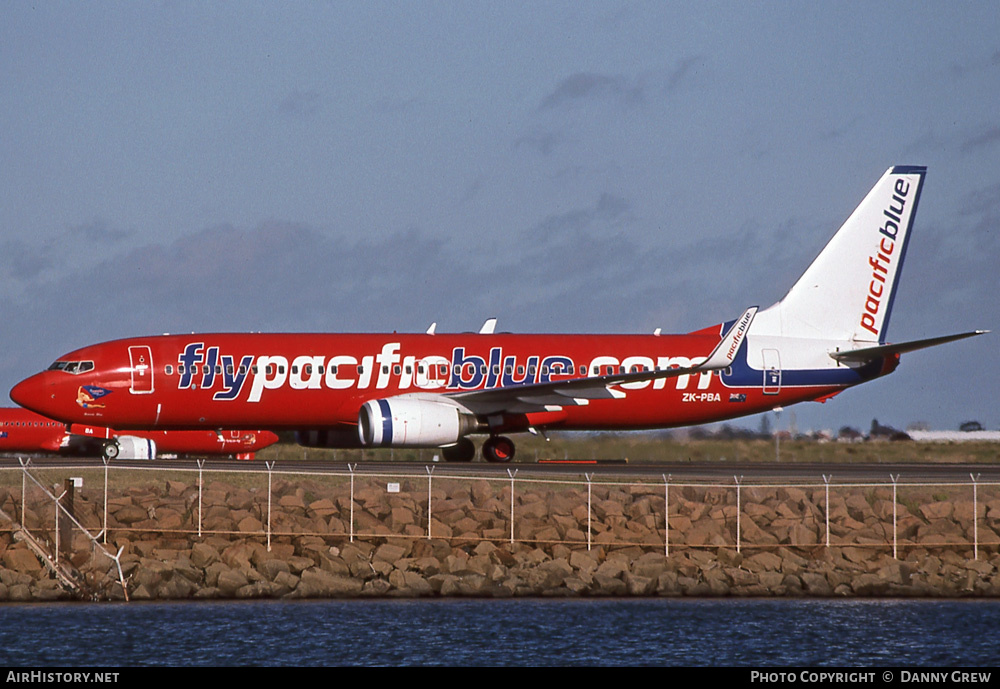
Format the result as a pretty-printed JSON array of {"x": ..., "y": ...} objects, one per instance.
[
  {"x": 130, "y": 447},
  {"x": 413, "y": 422}
]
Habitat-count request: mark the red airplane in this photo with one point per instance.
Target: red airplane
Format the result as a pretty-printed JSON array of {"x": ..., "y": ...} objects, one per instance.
[
  {"x": 25, "y": 431},
  {"x": 435, "y": 390}
]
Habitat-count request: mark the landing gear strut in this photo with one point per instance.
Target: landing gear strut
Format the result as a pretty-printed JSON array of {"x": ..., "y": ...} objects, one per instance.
[{"x": 498, "y": 448}]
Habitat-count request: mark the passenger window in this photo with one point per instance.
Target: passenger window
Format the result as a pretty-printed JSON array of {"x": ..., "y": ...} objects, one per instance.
[{"x": 168, "y": 369}]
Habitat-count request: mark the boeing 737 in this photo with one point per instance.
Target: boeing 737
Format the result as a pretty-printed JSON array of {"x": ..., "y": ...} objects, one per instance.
[
  {"x": 436, "y": 390},
  {"x": 25, "y": 431}
]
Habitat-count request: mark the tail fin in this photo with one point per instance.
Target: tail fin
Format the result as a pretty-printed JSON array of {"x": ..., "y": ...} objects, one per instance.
[{"x": 847, "y": 292}]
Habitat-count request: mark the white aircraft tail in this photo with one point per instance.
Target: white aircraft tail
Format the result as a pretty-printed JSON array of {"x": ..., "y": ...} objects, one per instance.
[{"x": 846, "y": 294}]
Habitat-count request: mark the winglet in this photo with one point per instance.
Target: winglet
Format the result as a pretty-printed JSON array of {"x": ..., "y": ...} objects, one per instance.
[
  {"x": 430, "y": 330},
  {"x": 725, "y": 352},
  {"x": 488, "y": 327}
]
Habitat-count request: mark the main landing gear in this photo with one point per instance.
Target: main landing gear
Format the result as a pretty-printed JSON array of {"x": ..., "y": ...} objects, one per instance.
[{"x": 496, "y": 448}]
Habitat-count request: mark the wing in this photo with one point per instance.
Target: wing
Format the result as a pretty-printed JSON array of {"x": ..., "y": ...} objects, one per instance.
[{"x": 552, "y": 396}]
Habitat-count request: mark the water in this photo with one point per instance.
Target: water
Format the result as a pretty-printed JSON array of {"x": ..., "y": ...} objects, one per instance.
[{"x": 499, "y": 633}]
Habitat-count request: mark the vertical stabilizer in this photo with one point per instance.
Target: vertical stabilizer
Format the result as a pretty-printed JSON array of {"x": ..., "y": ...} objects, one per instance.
[{"x": 847, "y": 292}]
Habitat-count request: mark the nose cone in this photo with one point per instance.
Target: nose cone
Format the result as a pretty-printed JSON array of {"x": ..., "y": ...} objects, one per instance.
[{"x": 33, "y": 394}]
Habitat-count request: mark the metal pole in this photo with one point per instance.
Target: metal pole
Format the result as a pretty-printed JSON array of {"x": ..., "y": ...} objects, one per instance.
[
  {"x": 738, "y": 505},
  {"x": 24, "y": 471},
  {"x": 894, "y": 542},
  {"x": 201, "y": 488},
  {"x": 512, "y": 474},
  {"x": 666, "y": 515},
  {"x": 975, "y": 516},
  {"x": 351, "y": 469},
  {"x": 57, "y": 524},
  {"x": 826, "y": 480},
  {"x": 269, "y": 465},
  {"x": 589, "y": 501},
  {"x": 430, "y": 511},
  {"x": 104, "y": 525}
]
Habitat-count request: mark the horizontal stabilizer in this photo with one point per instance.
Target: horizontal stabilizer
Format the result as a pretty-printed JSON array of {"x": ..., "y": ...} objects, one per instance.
[{"x": 869, "y": 353}]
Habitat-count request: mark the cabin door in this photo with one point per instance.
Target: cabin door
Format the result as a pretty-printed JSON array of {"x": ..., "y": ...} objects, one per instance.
[{"x": 141, "y": 359}]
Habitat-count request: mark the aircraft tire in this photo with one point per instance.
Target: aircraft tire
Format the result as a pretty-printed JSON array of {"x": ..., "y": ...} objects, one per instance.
[
  {"x": 462, "y": 451},
  {"x": 111, "y": 450},
  {"x": 498, "y": 449}
]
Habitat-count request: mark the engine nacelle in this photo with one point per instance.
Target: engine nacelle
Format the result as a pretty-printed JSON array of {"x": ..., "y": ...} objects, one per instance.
[
  {"x": 403, "y": 422},
  {"x": 132, "y": 447}
]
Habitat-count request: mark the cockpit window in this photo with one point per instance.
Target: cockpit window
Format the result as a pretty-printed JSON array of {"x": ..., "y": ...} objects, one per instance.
[{"x": 74, "y": 367}]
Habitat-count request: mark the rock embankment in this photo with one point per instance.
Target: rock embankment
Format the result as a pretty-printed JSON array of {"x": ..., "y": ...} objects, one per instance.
[{"x": 315, "y": 539}]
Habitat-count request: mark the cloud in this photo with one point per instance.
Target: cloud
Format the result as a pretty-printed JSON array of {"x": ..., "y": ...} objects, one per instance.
[
  {"x": 586, "y": 86},
  {"x": 681, "y": 73},
  {"x": 300, "y": 104},
  {"x": 97, "y": 230},
  {"x": 543, "y": 142},
  {"x": 984, "y": 139}
]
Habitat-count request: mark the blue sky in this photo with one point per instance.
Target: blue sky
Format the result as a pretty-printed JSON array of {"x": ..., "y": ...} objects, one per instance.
[{"x": 568, "y": 167}]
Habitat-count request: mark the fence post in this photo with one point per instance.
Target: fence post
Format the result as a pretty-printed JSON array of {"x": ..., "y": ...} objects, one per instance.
[
  {"x": 351, "y": 469},
  {"x": 104, "y": 524},
  {"x": 430, "y": 479},
  {"x": 666, "y": 515},
  {"x": 57, "y": 506},
  {"x": 512, "y": 475},
  {"x": 975, "y": 515},
  {"x": 269, "y": 465},
  {"x": 738, "y": 506},
  {"x": 826, "y": 508},
  {"x": 894, "y": 541},
  {"x": 589, "y": 501},
  {"x": 201, "y": 488},
  {"x": 66, "y": 538},
  {"x": 24, "y": 490}
]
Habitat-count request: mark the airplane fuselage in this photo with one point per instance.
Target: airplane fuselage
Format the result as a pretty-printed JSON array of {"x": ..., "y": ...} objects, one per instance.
[{"x": 313, "y": 381}]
